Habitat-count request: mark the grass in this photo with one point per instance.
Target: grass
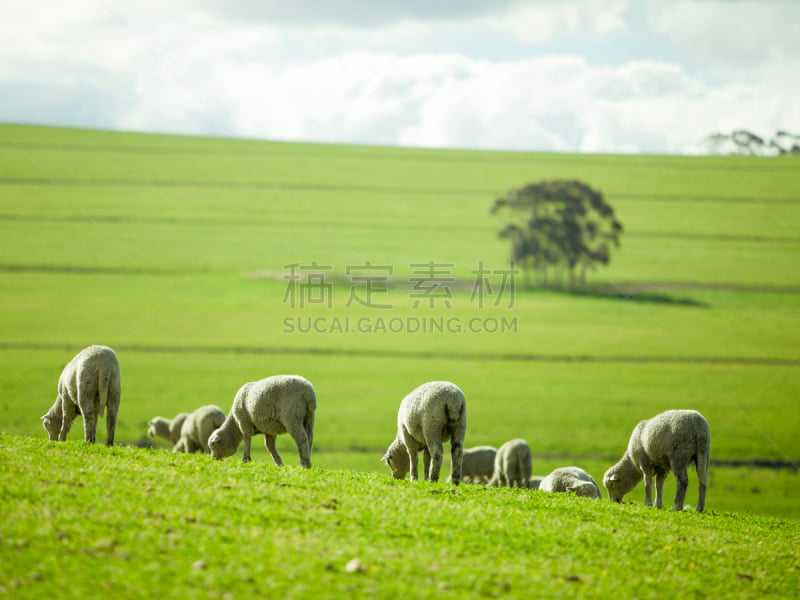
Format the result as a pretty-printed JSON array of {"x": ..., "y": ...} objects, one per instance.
[
  {"x": 90, "y": 521},
  {"x": 173, "y": 251}
]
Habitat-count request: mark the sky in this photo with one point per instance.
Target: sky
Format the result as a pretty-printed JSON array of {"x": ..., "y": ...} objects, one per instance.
[{"x": 612, "y": 76}]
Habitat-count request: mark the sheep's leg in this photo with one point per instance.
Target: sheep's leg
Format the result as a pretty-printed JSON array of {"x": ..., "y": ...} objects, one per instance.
[
  {"x": 456, "y": 455},
  {"x": 111, "y": 416},
  {"x": 269, "y": 442},
  {"x": 426, "y": 463},
  {"x": 300, "y": 438},
  {"x": 661, "y": 477},
  {"x": 67, "y": 417},
  {"x": 702, "y": 481},
  {"x": 683, "y": 484},
  {"x": 89, "y": 418},
  {"x": 308, "y": 425},
  {"x": 180, "y": 446},
  {"x": 436, "y": 459},
  {"x": 648, "y": 489},
  {"x": 247, "y": 439},
  {"x": 412, "y": 448}
]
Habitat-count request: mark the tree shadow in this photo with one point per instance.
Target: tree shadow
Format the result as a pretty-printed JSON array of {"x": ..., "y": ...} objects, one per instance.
[{"x": 611, "y": 292}]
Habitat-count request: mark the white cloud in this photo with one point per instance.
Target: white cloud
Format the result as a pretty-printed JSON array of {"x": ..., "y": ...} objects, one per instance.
[
  {"x": 736, "y": 34},
  {"x": 161, "y": 67},
  {"x": 540, "y": 22}
]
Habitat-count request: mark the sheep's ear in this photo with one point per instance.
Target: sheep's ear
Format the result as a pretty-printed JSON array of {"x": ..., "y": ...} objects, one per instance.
[
  {"x": 385, "y": 459},
  {"x": 43, "y": 417},
  {"x": 613, "y": 477}
]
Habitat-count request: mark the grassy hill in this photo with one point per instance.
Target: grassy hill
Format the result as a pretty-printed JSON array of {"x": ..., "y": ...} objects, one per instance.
[
  {"x": 90, "y": 522},
  {"x": 176, "y": 252}
]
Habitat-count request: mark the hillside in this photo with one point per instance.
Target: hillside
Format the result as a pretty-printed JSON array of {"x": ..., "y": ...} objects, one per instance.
[
  {"x": 88, "y": 521},
  {"x": 179, "y": 253}
]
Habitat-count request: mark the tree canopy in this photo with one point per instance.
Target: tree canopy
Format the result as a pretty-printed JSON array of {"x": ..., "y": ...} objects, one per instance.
[{"x": 567, "y": 225}]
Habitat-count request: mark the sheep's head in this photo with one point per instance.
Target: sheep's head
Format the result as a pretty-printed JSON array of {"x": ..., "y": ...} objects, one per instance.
[
  {"x": 396, "y": 458},
  {"x": 158, "y": 427},
  {"x": 51, "y": 426},
  {"x": 620, "y": 479},
  {"x": 52, "y": 421},
  {"x": 218, "y": 446},
  {"x": 584, "y": 489}
]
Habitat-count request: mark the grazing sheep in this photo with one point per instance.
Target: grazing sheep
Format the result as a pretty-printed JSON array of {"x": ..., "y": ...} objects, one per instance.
[
  {"x": 169, "y": 429},
  {"x": 275, "y": 405},
  {"x": 197, "y": 428},
  {"x": 89, "y": 383},
  {"x": 477, "y": 464},
  {"x": 667, "y": 442},
  {"x": 573, "y": 480},
  {"x": 433, "y": 413},
  {"x": 512, "y": 465}
]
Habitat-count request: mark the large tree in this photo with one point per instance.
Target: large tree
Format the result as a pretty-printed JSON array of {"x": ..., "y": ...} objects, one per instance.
[{"x": 567, "y": 227}]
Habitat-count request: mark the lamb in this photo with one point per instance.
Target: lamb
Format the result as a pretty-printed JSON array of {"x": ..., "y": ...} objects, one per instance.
[
  {"x": 275, "y": 405},
  {"x": 197, "y": 428},
  {"x": 433, "y": 413},
  {"x": 89, "y": 383},
  {"x": 669, "y": 441},
  {"x": 572, "y": 480},
  {"x": 169, "y": 429},
  {"x": 512, "y": 465},
  {"x": 477, "y": 464}
]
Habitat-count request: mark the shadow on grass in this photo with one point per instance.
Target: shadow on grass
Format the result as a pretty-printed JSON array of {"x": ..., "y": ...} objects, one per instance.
[{"x": 629, "y": 293}]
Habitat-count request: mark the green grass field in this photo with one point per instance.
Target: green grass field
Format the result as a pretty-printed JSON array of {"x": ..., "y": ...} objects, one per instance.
[
  {"x": 175, "y": 250},
  {"x": 124, "y": 522}
]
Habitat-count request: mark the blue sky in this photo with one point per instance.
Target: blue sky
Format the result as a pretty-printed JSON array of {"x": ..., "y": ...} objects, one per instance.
[{"x": 576, "y": 75}]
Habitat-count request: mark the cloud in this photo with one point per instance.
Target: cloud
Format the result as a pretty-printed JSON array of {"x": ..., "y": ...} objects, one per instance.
[
  {"x": 161, "y": 67},
  {"x": 734, "y": 34}
]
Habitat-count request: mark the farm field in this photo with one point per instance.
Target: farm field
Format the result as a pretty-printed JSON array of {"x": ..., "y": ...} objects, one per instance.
[
  {"x": 128, "y": 522},
  {"x": 178, "y": 253}
]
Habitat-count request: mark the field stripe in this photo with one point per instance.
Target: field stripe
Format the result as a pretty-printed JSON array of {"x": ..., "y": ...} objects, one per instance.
[
  {"x": 379, "y": 353},
  {"x": 220, "y": 222},
  {"x": 307, "y": 187},
  {"x": 264, "y": 148}
]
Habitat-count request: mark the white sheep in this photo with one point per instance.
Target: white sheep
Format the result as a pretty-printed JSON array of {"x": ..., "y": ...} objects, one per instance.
[
  {"x": 89, "y": 384},
  {"x": 433, "y": 413},
  {"x": 197, "y": 428},
  {"x": 477, "y": 464},
  {"x": 668, "y": 442},
  {"x": 275, "y": 405},
  {"x": 572, "y": 480},
  {"x": 169, "y": 429},
  {"x": 512, "y": 465}
]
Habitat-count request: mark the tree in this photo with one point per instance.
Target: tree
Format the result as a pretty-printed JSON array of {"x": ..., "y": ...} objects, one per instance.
[{"x": 569, "y": 225}]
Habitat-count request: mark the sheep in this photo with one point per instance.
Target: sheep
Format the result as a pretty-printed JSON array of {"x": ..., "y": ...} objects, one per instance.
[
  {"x": 169, "y": 429},
  {"x": 667, "y": 442},
  {"x": 433, "y": 413},
  {"x": 512, "y": 465},
  {"x": 572, "y": 480},
  {"x": 89, "y": 383},
  {"x": 197, "y": 428},
  {"x": 477, "y": 464},
  {"x": 275, "y": 405}
]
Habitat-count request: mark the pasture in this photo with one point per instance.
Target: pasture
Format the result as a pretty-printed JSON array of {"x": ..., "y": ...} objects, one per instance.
[
  {"x": 126, "y": 522},
  {"x": 177, "y": 252}
]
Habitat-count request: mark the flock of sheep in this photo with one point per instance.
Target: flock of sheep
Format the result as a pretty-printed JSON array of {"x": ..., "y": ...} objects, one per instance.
[{"x": 434, "y": 413}]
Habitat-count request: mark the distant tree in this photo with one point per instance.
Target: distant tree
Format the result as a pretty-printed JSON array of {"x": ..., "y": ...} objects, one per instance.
[
  {"x": 745, "y": 143},
  {"x": 569, "y": 227}
]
